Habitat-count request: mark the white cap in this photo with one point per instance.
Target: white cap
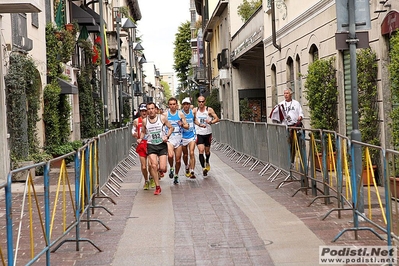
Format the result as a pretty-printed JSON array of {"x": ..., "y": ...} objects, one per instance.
[
  {"x": 186, "y": 100},
  {"x": 143, "y": 106}
]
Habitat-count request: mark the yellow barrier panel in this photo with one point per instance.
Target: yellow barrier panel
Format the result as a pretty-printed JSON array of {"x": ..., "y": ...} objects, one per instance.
[
  {"x": 346, "y": 171},
  {"x": 32, "y": 249},
  {"x": 31, "y": 185},
  {"x": 369, "y": 167},
  {"x": 2, "y": 257},
  {"x": 96, "y": 163},
  {"x": 82, "y": 179},
  {"x": 91, "y": 168},
  {"x": 314, "y": 152},
  {"x": 298, "y": 154},
  {"x": 63, "y": 176},
  {"x": 331, "y": 160}
]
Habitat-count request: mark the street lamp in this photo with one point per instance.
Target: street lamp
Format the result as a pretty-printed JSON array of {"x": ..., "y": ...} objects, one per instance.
[
  {"x": 128, "y": 25},
  {"x": 119, "y": 67},
  {"x": 137, "y": 47}
]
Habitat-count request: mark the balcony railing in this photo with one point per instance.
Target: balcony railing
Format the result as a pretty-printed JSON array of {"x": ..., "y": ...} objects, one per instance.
[{"x": 200, "y": 73}]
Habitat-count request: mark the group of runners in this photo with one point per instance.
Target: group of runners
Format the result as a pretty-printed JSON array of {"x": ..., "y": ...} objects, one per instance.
[{"x": 167, "y": 137}]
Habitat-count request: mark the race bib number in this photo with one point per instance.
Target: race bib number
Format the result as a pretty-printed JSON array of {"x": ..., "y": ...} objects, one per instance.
[{"x": 156, "y": 137}]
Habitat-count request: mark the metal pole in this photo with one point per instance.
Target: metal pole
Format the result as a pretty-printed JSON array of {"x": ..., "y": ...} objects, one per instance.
[
  {"x": 142, "y": 83},
  {"x": 103, "y": 67},
  {"x": 118, "y": 37},
  {"x": 131, "y": 69},
  {"x": 355, "y": 134},
  {"x": 5, "y": 163}
]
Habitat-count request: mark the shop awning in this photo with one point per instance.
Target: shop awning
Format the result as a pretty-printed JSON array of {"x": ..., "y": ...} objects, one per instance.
[
  {"x": 390, "y": 23},
  {"x": 81, "y": 16},
  {"x": 67, "y": 88},
  {"x": 96, "y": 17}
]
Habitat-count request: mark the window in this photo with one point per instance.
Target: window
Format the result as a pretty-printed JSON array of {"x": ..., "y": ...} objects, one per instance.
[
  {"x": 290, "y": 74},
  {"x": 298, "y": 83},
  {"x": 35, "y": 19},
  {"x": 274, "y": 85},
  {"x": 313, "y": 53},
  {"x": 19, "y": 28}
]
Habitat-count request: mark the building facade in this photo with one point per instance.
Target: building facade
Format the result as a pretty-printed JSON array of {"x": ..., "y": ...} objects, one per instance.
[{"x": 274, "y": 48}]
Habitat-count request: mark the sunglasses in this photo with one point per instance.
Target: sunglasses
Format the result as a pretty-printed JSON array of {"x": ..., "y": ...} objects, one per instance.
[{"x": 201, "y": 101}]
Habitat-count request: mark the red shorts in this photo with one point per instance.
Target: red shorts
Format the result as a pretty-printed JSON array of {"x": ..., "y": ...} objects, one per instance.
[{"x": 141, "y": 148}]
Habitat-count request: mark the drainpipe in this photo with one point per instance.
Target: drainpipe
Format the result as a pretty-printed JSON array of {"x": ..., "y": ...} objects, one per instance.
[{"x": 274, "y": 26}]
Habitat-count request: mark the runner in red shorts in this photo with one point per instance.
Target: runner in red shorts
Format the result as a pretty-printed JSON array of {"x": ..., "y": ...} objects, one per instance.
[{"x": 141, "y": 148}]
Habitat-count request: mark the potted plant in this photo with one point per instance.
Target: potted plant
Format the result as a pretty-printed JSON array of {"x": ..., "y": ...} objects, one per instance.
[
  {"x": 65, "y": 148},
  {"x": 69, "y": 27},
  {"x": 322, "y": 97},
  {"x": 245, "y": 110}
]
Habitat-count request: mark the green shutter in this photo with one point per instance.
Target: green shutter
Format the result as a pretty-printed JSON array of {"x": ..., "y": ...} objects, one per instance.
[{"x": 348, "y": 94}]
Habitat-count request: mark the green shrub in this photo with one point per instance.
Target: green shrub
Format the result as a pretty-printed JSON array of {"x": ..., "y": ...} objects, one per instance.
[{"x": 322, "y": 94}]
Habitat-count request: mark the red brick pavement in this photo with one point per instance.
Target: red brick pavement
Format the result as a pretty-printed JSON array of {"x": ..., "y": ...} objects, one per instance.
[{"x": 228, "y": 239}]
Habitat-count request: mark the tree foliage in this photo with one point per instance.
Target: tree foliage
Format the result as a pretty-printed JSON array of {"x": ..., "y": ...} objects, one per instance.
[
  {"x": 322, "y": 94},
  {"x": 247, "y": 9},
  {"x": 213, "y": 101},
  {"x": 182, "y": 52},
  {"x": 367, "y": 76},
  {"x": 167, "y": 90},
  {"x": 23, "y": 102},
  {"x": 245, "y": 110},
  {"x": 394, "y": 79}
]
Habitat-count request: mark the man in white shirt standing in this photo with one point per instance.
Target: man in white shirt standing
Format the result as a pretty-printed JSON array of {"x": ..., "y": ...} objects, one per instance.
[
  {"x": 292, "y": 108},
  {"x": 293, "y": 116}
]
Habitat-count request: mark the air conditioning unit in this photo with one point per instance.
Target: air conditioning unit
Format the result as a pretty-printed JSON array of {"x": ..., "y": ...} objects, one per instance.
[
  {"x": 225, "y": 58},
  {"x": 120, "y": 71},
  {"x": 223, "y": 74},
  {"x": 219, "y": 58},
  {"x": 24, "y": 43}
]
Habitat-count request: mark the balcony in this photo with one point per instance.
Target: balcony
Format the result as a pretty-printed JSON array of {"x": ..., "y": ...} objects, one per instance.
[
  {"x": 12, "y": 6},
  {"x": 200, "y": 74}
]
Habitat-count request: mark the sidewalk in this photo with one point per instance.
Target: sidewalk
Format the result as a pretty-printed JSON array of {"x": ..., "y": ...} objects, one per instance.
[
  {"x": 221, "y": 220},
  {"x": 232, "y": 217}
]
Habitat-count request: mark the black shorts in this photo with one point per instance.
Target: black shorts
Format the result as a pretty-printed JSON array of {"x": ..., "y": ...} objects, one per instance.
[
  {"x": 204, "y": 139},
  {"x": 160, "y": 149}
]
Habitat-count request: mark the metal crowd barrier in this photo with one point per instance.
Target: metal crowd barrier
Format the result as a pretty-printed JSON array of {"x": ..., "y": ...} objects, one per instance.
[
  {"x": 321, "y": 162},
  {"x": 39, "y": 214}
]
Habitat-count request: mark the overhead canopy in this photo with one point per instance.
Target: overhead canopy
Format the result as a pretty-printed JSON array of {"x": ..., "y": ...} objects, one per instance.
[
  {"x": 67, "y": 88},
  {"x": 81, "y": 16},
  {"x": 96, "y": 17},
  {"x": 134, "y": 9},
  {"x": 390, "y": 23},
  {"x": 12, "y": 6}
]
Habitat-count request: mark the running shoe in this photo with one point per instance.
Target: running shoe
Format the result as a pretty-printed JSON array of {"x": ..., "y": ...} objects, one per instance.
[
  {"x": 171, "y": 173},
  {"x": 176, "y": 180},
  {"x": 161, "y": 174},
  {"x": 192, "y": 175},
  {"x": 152, "y": 182},
  {"x": 208, "y": 166},
  {"x": 146, "y": 185},
  {"x": 205, "y": 172},
  {"x": 157, "y": 190},
  {"x": 187, "y": 172}
]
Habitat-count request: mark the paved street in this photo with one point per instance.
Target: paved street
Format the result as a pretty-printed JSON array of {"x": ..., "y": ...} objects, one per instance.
[{"x": 233, "y": 217}]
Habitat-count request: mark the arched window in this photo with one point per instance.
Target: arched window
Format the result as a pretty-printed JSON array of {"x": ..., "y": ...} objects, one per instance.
[
  {"x": 313, "y": 53},
  {"x": 298, "y": 83},
  {"x": 290, "y": 74},
  {"x": 274, "y": 85}
]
